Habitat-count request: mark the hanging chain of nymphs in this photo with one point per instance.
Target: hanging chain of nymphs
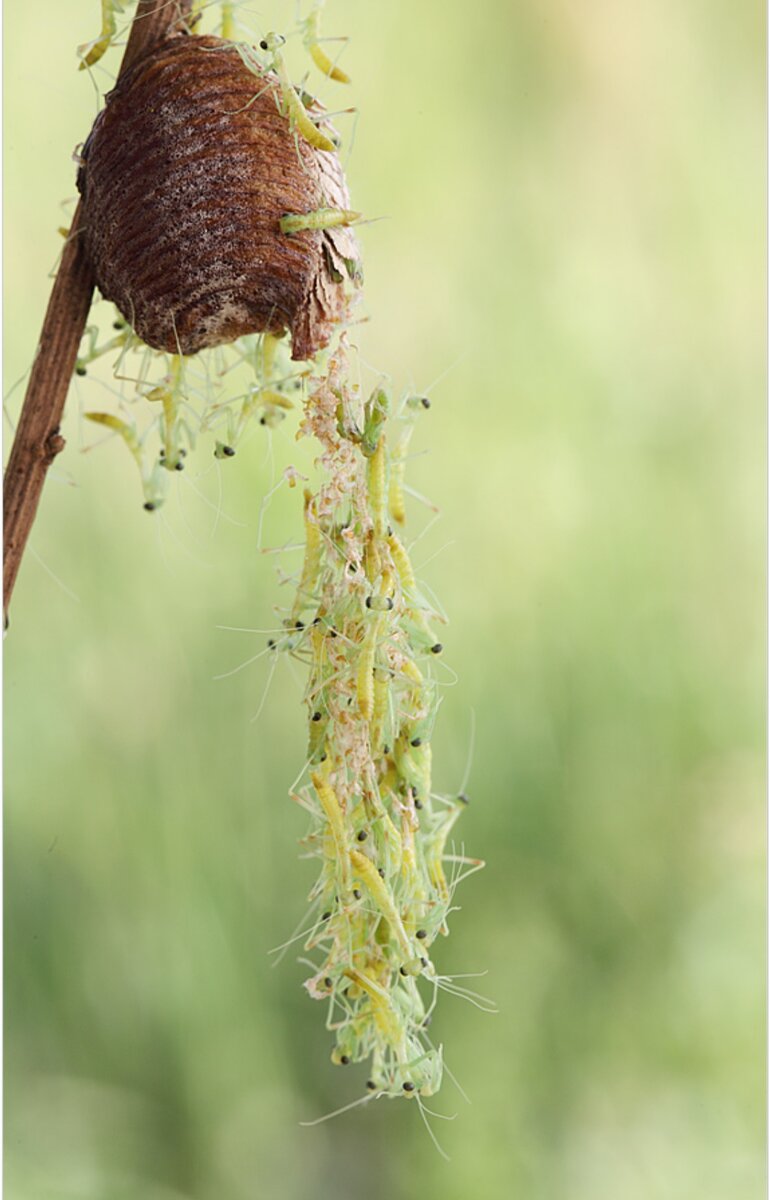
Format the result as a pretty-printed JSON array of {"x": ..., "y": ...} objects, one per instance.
[{"x": 379, "y": 830}]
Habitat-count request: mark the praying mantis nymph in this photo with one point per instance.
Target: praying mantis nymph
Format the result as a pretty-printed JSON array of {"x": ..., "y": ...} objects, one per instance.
[
  {"x": 396, "y": 501},
  {"x": 168, "y": 395},
  {"x": 267, "y": 349},
  {"x": 319, "y": 218},
  {"x": 408, "y": 584},
  {"x": 380, "y": 893},
  {"x": 365, "y": 673},
  {"x": 410, "y": 870},
  {"x": 402, "y": 564},
  {"x": 434, "y": 850},
  {"x": 294, "y": 108},
  {"x": 265, "y": 395},
  {"x": 427, "y": 1081},
  {"x": 311, "y": 565},
  {"x": 311, "y": 40},
  {"x": 385, "y": 1016},
  {"x": 331, "y": 806},
  {"x": 91, "y": 52},
  {"x": 398, "y": 464},
  {"x": 127, "y": 432}
]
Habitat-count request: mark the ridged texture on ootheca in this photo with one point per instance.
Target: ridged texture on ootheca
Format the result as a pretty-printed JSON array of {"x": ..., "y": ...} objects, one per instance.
[{"x": 184, "y": 180}]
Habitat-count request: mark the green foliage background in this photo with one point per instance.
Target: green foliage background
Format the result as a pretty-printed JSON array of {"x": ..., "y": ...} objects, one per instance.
[{"x": 576, "y": 203}]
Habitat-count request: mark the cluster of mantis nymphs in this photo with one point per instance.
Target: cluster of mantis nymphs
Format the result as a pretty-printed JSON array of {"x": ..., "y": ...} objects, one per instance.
[
  {"x": 189, "y": 398},
  {"x": 381, "y": 833},
  {"x": 370, "y": 640},
  {"x": 91, "y": 52}
]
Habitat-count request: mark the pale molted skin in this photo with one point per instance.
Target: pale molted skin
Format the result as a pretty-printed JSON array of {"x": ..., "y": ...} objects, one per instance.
[{"x": 185, "y": 177}]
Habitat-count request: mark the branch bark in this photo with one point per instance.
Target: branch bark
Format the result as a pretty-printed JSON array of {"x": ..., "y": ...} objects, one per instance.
[{"x": 38, "y": 440}]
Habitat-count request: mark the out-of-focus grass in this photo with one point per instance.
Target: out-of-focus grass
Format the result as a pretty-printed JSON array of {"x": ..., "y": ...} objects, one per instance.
[{"x": 576, "y": 210}]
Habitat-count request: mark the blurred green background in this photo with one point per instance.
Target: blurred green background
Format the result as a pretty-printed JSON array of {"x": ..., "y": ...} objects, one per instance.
[{"x": 575, "y": 197}]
